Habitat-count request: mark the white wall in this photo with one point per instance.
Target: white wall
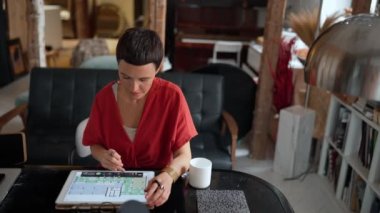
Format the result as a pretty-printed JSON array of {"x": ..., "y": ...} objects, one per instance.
[
  {"x": 297, "y": 5},
  {"x": 53, "y": 26},
  {"x": 329, "y": 7}
]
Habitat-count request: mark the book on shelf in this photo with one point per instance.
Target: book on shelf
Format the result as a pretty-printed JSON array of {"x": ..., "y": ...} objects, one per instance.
[
  {"x": 333, "y": 164},
  {"x": 353, "y": 190},
  {"x": 376, "y": 115},
  {"x": 359, "y": 188},
  {"x": 340, "y": 133},
  {"x": 349, "y": 156},
  {"x": 347, "y": 185},
  {"x": 367, "y": 144},
  {"x": 370, "y": 109},
  {"x": 375, "y": 207},
  {"x": 375, "y": 106}
]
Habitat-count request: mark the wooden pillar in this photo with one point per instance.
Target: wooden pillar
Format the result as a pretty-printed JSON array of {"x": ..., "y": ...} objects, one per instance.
[
  {"x": 361, "y": 6},
  {"x": 157, "y": 17},
  {"x": 269, "y": 57},
  {"x": 5, "y": 73},
  {"x": 18, "y": 21},
  {"x": 82, "y": 21},
  {"x": 36, "y": 34}
]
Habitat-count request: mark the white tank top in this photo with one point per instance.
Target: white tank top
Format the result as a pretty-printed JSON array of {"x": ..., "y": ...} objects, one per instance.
[{"x": 131, "y": 132}]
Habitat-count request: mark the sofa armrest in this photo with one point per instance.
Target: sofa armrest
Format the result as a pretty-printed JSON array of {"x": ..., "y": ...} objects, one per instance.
[
  {"x": 19, "y": 110},
  {"x": 233, "y": 128}
]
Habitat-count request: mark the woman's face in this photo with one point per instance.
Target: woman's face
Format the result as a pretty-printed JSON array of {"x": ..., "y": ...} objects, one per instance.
[{"x": 136, "y": 80}]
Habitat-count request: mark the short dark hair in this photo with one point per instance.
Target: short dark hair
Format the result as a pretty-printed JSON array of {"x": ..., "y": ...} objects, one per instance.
[{"x": 140, "y": 46}]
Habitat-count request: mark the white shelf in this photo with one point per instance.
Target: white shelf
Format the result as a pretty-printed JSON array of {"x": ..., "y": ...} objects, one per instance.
[
  {"x": 357, "y": 166},
  {"x": 376, "y": 188},
  {"x": 335, "y": 147},
  {"x": 349, "y": 153},
  {"x": 330, "y": 189},
  {"x": 360, "y": 115}
]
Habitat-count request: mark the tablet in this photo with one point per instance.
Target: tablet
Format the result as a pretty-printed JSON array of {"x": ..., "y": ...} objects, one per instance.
[
  {"x": 98, "y": 187},
  {"x": 8, "y": 177}
]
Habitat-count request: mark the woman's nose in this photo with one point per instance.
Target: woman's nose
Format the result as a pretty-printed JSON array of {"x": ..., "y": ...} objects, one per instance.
[{"x": 134, "y": 86}]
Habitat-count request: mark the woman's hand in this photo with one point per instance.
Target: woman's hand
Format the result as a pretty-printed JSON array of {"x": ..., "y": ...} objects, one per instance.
[
  {"x": 112, "y": 160},
  {"x": 109, "y": 159},
  {"x": 158, "y": 190}
]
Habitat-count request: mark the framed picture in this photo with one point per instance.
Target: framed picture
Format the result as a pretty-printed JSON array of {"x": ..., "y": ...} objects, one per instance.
[{"x": 16, "y": 57}]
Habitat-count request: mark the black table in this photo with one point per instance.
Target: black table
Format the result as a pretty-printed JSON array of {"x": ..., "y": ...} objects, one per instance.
[{"x": 38, "y": 187}]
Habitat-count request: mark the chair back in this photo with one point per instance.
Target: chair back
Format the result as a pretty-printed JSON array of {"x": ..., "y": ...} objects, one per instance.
[
  {"x": 204, "y": 95},
  {"x": 101, "y": 62},
  {"x": 82, "y": 150},
  {"x": 239, "y": 93},
  {"x": 88, "y": 48},
  {"x": 221, "y": 47},
  {"x": 59, "y": 99}
]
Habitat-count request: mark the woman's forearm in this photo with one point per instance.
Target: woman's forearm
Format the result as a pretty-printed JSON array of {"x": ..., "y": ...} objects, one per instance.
[
  {"x": 181, "y": 159},
  {"x": 96, "y": 151}
]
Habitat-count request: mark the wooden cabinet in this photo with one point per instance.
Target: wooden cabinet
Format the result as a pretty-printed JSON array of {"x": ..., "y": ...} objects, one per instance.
[
  {"x": 200, "y": 23},
  {"x": 191, "y": 55},
  {"x": 350, "y": 157}
]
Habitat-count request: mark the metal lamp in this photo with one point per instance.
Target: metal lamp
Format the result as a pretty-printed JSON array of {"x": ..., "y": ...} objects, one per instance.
[{"x": 346, "y": 58}]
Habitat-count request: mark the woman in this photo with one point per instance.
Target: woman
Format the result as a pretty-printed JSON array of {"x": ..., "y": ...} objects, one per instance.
[{"x": 140, "y": 121}]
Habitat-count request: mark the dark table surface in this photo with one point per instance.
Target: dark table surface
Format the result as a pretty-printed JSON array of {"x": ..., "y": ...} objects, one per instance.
[{"x": 37, "y": 188}]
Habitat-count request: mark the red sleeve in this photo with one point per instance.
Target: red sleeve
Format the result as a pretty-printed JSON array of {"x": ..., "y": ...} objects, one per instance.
[{"x": 184, "y": 129}]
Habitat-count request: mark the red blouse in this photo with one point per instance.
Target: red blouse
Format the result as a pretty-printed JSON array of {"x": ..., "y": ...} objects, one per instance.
[{"x": 165, "y": 126}]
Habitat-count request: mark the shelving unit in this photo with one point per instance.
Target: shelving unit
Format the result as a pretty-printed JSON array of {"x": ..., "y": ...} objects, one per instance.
[{"x": 350, "y": 159}]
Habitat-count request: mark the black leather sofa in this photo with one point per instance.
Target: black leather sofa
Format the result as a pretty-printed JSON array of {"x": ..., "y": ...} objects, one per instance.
[
  {"x": 204, "y": 95},
  {"x": 61, "y": 98}
]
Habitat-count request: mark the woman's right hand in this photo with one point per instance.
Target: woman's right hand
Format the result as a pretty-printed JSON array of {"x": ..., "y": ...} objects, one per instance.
[
  {"x": 112, "y": 160},
  {"x": 109, "y": 159}
]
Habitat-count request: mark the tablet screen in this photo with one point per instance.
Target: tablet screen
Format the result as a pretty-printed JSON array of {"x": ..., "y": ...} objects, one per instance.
[{"x": 97, "y": 187}]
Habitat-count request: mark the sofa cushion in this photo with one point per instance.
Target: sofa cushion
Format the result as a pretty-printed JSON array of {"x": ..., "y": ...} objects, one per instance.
[
  {"x": 204, "y": 95},
  {"x": 209, "y": 145},
  {"x": 101, "y": 62},
  {"x": 205, "y": 99},
  {"x": 50, "y": 147},
  {"x": 59, "y": 99},
  {"x": 239, "y": 93}
]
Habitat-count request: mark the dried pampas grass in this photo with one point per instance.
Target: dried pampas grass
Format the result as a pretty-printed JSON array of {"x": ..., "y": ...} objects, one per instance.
[
  {"x": 330, "y": 20},
  {"x": 305, "y": 23}
]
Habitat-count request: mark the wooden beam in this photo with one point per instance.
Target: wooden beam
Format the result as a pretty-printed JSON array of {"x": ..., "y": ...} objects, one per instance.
[
  {"x": 157, "y": 17},
  {"x": 36, "y": 34},
  {"x": 269, "y": 58},
  {"x": 361, "y": 6},
  {"x": 82, "y": 19},
  {"x": 18, "y": 21}
]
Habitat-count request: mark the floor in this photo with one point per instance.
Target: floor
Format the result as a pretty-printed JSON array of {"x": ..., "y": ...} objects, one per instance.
[{"x": 310, "y": 195}]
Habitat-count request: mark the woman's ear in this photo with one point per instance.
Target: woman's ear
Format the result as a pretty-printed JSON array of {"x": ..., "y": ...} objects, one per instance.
[
  {"x": 158, "y": 70},
  {"x": 160, "y": 67}
]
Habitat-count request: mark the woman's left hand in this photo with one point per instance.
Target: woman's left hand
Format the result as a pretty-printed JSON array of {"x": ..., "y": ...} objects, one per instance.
[{"x": 158, "y": 190}]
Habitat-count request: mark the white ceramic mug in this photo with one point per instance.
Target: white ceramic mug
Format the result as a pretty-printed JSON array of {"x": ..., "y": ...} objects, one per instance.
[{"x": 200, "y": 173}]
